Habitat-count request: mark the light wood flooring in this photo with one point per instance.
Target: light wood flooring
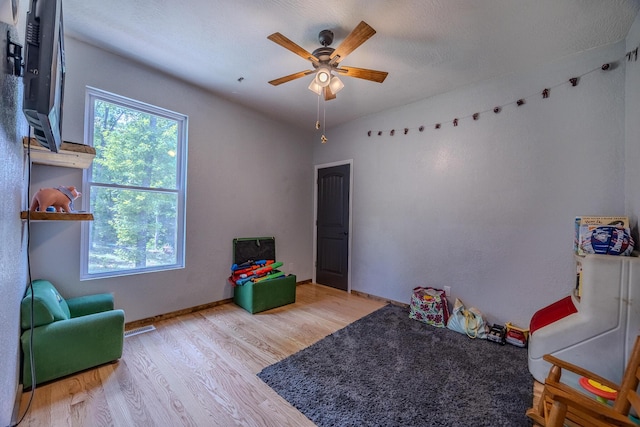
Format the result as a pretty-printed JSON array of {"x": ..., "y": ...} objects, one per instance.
[{"x": 199, "y": 369}]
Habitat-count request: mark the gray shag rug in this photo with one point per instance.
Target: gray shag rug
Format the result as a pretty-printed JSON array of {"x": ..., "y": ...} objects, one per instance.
[{"x": 388, "y": 370}]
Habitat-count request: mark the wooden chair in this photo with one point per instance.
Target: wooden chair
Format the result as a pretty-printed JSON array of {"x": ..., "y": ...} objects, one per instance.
[{"x": 561, "y": 405}]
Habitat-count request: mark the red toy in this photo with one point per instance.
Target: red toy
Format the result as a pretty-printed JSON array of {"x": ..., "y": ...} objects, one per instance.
[{"x": 517, "y": 336}]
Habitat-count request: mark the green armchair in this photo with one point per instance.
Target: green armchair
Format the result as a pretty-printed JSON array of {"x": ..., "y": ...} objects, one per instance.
[{"x": 69, "y": 335}]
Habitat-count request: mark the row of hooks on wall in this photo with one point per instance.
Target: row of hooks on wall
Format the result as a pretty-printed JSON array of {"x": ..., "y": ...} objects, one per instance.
[{"x": 545, "y": 94}]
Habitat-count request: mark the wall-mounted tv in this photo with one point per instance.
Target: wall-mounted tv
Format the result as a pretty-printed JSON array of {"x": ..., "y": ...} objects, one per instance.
[{"x": 44, "y": 72}]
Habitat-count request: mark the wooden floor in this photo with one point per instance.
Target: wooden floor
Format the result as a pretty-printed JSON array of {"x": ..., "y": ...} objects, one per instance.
[{"x": 199, "y": 369}]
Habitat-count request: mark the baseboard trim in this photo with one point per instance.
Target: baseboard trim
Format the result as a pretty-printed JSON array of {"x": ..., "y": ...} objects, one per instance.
[
  {"x": 381, "y": 299},
  {"x": 150, "y": 320}
]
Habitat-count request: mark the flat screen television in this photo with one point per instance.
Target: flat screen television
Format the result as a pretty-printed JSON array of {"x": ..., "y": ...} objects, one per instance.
[{"x": 44, "y": 72}]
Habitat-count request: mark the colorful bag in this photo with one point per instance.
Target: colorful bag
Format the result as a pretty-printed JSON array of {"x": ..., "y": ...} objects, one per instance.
[
  {"x": 467, "y": 321},
  {"x": 429, "y": 305}
]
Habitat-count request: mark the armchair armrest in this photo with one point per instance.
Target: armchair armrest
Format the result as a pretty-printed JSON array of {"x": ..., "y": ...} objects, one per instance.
[
  {"x": 89, "y": 304},
  {"x": 580, "y": 371},
  {"x": 590, "y": 411}
]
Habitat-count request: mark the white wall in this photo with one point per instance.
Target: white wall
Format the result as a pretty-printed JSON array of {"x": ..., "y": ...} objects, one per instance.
[
  {"x": 247, "y": 176},
  {"x": 632, "y": 127},
  {"x": 486, "y": 207}
]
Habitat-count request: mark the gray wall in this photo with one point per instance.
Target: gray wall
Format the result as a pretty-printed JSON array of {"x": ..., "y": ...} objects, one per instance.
[
  {"x": 13, "y": 241},
  {"x": 487, "y": 207},
  {"x": 632, "y": 126},
  {"x": 247, "y": 176}
]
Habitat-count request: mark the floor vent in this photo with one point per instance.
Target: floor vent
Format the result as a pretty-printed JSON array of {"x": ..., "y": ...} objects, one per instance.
[{"x": 140, "y": 330}]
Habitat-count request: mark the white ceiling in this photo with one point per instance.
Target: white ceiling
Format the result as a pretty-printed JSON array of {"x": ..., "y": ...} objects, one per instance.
[{"x": 427, "y": 46}]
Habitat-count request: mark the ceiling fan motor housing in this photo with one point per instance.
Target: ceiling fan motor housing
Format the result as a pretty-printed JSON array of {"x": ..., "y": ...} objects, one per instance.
[
  {"x": 325, "y": 37},
  {"x": 323, "y": 54}
]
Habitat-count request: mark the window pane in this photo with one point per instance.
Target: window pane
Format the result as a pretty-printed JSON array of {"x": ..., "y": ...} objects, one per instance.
[
  {"x": 135, "y": 187},
  {"x": 132, "y": 229},
  {"x": 134, "y": 148}
]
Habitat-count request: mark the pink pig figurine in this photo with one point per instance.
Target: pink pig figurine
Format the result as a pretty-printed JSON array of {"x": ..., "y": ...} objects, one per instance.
[{"x": 61, "y": 198}]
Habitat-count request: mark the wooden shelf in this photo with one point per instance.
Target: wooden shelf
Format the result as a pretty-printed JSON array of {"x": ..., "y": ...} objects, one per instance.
[
  {"x": 71, "y": 155},
  {"x": 57, "y": 216}
]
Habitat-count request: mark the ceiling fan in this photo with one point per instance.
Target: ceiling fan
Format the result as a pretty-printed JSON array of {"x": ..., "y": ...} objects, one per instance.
[{"x": 326, "y": 61}]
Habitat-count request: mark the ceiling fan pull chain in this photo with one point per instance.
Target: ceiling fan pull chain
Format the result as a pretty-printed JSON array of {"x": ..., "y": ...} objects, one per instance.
[
  {"x": 323, "y": 138},
  {"x": 318, "y": 115}
]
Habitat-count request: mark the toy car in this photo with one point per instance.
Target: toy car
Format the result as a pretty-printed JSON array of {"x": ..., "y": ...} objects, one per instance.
[
  {"x": 517, "y": 338},
  {"x": 497, "y": 334}
]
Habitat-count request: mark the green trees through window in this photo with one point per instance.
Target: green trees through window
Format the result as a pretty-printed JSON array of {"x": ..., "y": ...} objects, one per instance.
[{"x": 135, "y": 187}]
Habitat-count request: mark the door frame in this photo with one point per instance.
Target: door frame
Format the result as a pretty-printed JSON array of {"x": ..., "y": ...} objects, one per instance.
[{"x": 316, "y": 168}]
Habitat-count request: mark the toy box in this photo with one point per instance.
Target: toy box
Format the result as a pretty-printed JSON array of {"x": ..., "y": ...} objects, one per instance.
[{"x": 267, "y": 294}]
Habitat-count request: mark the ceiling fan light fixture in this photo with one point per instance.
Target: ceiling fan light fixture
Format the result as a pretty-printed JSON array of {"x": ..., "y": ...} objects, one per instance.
[
  {"x": 315, "y": 87},
  {"x": 323, "y": 76},
  {"x": 335, "y": 85}
]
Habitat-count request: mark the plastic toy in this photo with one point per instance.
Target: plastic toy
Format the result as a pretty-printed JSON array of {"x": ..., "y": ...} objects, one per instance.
[
  {"x": 61, "y": 198},
  {"x": 516, "y": 336},
  {"x": 241, "y": 279},
  {"x": 497, "y": 334},
  {"x": 250, "y": 264},
  {"x": 270, "y": 276},
  {"x": 258, "y": 273},
  {"x": 243, "y": 265},
  {"x": 245, "y": 272},
  {"x": 603, "y": 393},
  {"x": 601, "y": 324}
]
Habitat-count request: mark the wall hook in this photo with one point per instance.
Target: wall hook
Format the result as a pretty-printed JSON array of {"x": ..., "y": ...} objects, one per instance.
[{"x": 14, "y": 54}]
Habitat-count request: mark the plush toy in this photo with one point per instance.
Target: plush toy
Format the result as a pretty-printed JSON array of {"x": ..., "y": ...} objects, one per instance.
[{"x": 61, "y": 198}]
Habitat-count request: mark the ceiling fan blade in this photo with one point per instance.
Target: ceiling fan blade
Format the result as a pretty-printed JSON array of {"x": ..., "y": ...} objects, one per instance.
[
  {"x": 289, "y": 45},
  {"x": 290, "y": 77},
  {"x": 359, "y": 35},
  {"x": 363, "y": 73},
  {"x": 328, "y": 95}
]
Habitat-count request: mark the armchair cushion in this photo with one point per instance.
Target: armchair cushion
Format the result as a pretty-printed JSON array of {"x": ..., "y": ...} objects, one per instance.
[
  {"x": 48, "y": 305},
  {"x": 69, "y": 346}
]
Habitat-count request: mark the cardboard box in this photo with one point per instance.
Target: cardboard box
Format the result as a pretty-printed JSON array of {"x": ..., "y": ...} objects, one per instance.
[
  {"x": 606, "y": 235},
  {"x": 267, "y": 294}
]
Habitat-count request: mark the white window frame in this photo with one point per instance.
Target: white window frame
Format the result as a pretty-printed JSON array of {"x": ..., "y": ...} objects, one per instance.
[{"x": 91, "y": 95}]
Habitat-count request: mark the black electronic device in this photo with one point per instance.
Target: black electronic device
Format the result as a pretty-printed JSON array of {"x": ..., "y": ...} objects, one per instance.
[{"x": 44, "y": 72}]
